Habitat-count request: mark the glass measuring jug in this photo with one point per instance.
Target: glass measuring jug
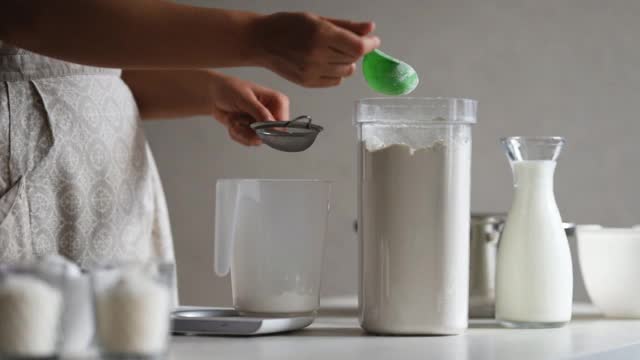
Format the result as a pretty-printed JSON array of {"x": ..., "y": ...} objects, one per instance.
[
  {"x": 270, "y": 235},
  {"x": 534, "y": 280},
  {"x": 414, "y": 165}
]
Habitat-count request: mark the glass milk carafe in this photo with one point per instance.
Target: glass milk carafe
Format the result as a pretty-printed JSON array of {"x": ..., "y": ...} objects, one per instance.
[
  {"x": 413, "y": 214},
  {"x": 534, "y": 284}
]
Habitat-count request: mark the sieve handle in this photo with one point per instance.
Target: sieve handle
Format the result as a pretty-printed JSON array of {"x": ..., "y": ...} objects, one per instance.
[{"x": 300, "y": 118}]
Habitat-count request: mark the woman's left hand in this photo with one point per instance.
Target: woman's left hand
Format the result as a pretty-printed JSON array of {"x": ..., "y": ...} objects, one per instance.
[{"x": 237, "y": 103}]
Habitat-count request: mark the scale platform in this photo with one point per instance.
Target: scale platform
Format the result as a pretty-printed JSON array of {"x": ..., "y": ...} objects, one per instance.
[{"x": 229, "y": 322}]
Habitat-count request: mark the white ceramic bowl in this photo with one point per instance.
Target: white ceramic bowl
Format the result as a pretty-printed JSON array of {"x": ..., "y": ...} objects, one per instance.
[{"x": 609, "y": 261}]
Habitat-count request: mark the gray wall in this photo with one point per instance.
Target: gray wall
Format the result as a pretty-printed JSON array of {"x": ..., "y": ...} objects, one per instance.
[{"x": 537, "y": 67}]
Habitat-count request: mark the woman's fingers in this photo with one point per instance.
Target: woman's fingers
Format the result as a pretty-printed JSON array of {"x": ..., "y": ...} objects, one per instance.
[
  {"x": 302, "y": 55},
  {"x": 241, "y": 132},
  {"x": 233, "y": 134},
  {"x": 257, "y": 110},
  {"x": 330, "y": 81},
  {"x": 337, "y": 56},
  {"x": 326, "y": 81},
  {"x": 352, "y": 45},
  {"x": 239, "y": 128},
  {"x": 243, "y": 140},
  {"x": 360, "y": 28},
  {"x": 330, "y": 74},
  {"x": 339, "y": 70},
  {"x": 344, "y": 46},
  {"x": 276, "y": 102}
]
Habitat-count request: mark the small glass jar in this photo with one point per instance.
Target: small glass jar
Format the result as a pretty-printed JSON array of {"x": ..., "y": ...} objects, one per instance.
[
  {"x": 133, "y": 303},
  {"x": 31, "y": 309}
]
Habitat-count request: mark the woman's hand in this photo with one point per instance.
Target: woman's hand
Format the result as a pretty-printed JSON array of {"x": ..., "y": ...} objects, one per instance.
[
  {"x": 310, "y": 50},
  {"x": 160, "y": 34},
  {"x": 237, "y": 103}
]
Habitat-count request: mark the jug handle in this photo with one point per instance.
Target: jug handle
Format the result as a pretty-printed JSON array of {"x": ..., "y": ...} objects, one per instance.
[{"x": 225, "y": 224}]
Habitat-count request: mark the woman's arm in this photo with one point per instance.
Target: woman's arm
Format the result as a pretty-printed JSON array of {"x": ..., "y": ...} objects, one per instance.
[
  {"x": 307, "y": 49},
  {"x": 129, "y": 33},
  {"x": 164, "y": 94},
  {"x": 233, "y": 102}
]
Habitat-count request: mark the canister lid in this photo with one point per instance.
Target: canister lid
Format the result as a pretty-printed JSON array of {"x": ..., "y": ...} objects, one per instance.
[{"x": 416, "y": 111}]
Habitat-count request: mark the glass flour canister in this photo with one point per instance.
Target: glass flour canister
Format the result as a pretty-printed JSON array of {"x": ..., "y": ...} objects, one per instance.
[{"x": 414, "y": 164}]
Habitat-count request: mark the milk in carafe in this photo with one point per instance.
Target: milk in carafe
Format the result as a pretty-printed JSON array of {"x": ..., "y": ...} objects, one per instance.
[{"x": 534, "y": 283}]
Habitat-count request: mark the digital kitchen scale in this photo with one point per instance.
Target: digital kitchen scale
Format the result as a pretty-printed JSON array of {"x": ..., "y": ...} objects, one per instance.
[{"x": 229, "y": 322}]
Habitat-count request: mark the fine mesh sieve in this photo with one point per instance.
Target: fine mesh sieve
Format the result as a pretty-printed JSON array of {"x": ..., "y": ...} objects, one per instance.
[{"x": 290, "y": 136}]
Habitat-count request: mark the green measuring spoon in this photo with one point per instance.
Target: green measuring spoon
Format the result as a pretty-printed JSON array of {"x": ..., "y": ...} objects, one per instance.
[{"x": 388, "y": 75}]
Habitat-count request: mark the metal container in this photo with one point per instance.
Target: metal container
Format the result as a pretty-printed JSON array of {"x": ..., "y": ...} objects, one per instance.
[
  {"x": 485, "y": 236},
  {"x": 485, "y": 233}
]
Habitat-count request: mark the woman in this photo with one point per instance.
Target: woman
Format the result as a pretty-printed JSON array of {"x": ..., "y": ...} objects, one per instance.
[{"x": 76, "y": 174}]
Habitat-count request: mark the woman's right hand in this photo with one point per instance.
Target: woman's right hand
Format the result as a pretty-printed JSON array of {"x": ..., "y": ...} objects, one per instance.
[{"x": 310, "y": 50}]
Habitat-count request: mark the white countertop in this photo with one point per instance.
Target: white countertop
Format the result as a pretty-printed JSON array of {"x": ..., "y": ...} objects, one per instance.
[{"x": 336, "y": 335}]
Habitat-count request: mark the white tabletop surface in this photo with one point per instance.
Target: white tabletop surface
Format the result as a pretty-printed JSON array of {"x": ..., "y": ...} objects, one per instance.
[{"x": 336, "y": 335}]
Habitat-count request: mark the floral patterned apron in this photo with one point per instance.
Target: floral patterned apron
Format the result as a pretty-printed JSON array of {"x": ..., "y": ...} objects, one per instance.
[{"x": 77, "y": 177}]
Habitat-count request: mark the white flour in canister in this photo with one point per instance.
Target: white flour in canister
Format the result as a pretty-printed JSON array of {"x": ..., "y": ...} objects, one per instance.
[
  {"x": 30, "y": 311},
  {"x": 414, "y": 215},
  {"x": 133, "y": 316}
]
